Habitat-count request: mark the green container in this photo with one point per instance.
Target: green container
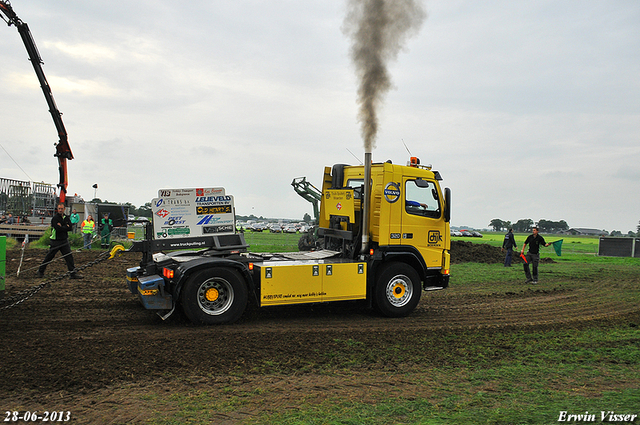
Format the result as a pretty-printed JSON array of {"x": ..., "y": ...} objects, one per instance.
[{"x": 3, "y": 263}]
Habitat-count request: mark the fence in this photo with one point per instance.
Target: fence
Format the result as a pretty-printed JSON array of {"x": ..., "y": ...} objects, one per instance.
[
  {"x": 619, "y": 247},
  {"x": 27, "y": 199}
]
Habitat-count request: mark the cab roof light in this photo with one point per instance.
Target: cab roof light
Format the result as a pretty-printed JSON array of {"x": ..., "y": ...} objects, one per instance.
[{"x": 414, "y": 161}]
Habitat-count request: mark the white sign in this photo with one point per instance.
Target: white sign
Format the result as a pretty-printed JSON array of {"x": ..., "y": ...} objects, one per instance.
[{"x": 183, "y": 213}]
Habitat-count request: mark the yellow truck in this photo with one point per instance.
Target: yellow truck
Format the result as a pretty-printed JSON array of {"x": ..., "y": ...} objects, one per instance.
[{"x": 383, "y": 244}]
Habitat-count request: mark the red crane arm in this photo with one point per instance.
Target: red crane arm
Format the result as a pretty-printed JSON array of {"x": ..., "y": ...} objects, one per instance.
[{"x": 63, "y": 151}]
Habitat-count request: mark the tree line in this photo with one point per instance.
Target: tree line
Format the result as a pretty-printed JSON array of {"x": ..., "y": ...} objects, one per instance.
[{"x": 525, "y": 225}]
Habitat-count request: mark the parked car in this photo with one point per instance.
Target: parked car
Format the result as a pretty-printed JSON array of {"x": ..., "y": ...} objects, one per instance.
[
  {"x": 290, "y": 229},
  {"x": 275, "y": 228},
  {"x": 258, "y": 227}
]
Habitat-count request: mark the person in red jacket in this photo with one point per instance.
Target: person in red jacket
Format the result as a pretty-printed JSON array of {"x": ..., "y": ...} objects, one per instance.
[{"x": 61, "y": 226}]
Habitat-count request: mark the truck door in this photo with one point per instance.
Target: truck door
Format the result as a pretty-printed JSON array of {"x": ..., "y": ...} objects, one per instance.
[{"x": 422, "y": 222}]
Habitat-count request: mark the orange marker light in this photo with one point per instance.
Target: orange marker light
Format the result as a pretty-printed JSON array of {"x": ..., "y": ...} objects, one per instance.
[
  {"x": 251, "y": 266},
  {"x": 168, "y": 273}
]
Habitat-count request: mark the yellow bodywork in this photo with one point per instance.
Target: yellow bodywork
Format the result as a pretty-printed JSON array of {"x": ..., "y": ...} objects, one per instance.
[
  {"x": 339, "y": 202},
  {"x": 297, "y": 282},
  {"x": 390, "y": 222}
]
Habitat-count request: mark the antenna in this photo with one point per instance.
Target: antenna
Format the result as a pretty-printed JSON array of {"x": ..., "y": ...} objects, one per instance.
[
  {"x": 405, "y": 146},
  {"x": 357, "y": 159}
]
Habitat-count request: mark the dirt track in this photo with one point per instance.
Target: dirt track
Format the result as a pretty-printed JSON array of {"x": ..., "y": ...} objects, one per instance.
[{"x": 78, "y": 338}]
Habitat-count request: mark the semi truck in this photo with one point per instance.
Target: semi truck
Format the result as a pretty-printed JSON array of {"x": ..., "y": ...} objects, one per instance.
[{"x": 383, "y": 238}]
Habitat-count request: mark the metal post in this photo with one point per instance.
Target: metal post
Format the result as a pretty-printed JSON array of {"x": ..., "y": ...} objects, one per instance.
[{"x": 3, "y": 263}]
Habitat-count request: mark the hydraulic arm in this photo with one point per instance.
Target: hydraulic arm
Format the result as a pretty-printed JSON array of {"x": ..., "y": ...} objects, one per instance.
[
  {"x": 63, "y": 151},
  {"x": 308, "y": 192}
]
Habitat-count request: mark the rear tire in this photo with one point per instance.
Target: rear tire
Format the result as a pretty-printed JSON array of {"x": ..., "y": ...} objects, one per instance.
[
  {"x": 214, "y": 296},
  {"x": 397, "y": 290}
]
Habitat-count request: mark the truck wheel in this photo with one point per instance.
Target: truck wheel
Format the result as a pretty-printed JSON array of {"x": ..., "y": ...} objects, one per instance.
[
  {"x": 306, "y": 243},
  {"x": 397, "y": 290},
  {"x": 214, "y": 296}
]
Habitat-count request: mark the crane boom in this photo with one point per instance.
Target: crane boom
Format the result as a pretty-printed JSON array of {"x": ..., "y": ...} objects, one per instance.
[{"x": 63, "y": 151}]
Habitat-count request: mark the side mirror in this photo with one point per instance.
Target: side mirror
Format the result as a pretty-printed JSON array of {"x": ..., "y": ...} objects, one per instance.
[{"x": 447, "y": 200}]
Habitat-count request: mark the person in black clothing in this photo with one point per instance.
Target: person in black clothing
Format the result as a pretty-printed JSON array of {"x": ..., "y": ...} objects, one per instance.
[
  {"x": 509, "y": 243},
  {"x": 533, "y": 256},
  {"x": 61, "y": 225}
]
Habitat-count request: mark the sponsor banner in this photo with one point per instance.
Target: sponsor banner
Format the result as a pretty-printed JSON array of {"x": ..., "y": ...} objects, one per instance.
[
  {"x": 179, "y": 213},
  {"x": 182, "y": 193}
]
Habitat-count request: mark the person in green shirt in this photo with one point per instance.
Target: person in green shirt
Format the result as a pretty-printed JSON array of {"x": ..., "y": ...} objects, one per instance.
[
  {"x": 106, "y": 225},
  {"x": 75, "y": 219}
]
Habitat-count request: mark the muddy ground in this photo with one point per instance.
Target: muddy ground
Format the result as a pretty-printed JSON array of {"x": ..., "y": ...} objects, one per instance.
[{"x": 88, "y": 347}]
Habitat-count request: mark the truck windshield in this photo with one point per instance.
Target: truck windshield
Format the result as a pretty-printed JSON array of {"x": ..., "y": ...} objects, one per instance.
[{"x": 422, "y": 200}]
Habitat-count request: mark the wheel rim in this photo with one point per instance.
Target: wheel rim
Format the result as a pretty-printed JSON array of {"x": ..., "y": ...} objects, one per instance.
[
  {"x": 215, "y": 296},
  {"x": 399, "y": 291}
]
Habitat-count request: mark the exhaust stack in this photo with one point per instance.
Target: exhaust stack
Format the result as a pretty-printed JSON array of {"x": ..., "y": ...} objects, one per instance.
[{"x": 366, "y": 207}]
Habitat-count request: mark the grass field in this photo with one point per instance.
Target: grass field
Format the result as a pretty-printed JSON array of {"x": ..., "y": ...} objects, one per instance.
[
  {"x": 538, "y": 374},
  {"x": 505, "y": 376},
  {"x": 570, "y": 245}
]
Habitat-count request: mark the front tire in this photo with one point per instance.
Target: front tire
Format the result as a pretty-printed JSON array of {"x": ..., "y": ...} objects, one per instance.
[
  {"x": 214, "y": 296},
  {"x": 397, "y": 290}
]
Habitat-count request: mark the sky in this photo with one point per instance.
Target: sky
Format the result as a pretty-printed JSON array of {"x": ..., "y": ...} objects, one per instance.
[{"x": 529, "y": 109}]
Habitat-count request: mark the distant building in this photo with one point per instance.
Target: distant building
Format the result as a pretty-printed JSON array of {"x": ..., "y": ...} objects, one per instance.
[{"x": 585, "y": 231}]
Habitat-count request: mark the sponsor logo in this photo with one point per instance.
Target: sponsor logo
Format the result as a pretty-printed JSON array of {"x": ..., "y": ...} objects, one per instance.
[
  {"x": 220, "y": 209},
  {"x": 434, "y": 237},
  {"x": 180, "y": 231},
  {"x": 221, "y": 198},
  {"x": 211, "y": 191},
  {"x": 392, "y": 192},
  {"x": 160, "y": 201},
  {"x": 207, "y": 219},
  {"x": 339, "y": 206},
  {"x": 218, "y": 229},
  {"x": 172, "y": 221},
  {"x": 162, "y": 213}
]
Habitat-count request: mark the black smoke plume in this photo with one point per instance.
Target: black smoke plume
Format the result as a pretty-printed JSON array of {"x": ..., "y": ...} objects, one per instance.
[{"x": 378, "y": 29}]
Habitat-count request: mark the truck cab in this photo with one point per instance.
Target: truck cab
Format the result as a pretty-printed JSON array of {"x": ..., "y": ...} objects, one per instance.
[{"x": 409, "y": 215}]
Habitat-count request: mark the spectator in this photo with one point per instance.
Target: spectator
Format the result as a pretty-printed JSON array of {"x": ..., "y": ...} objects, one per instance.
[
  {"x": 75, "y": 218},
  {"x": 88, "y": 229},
  {"x": 106, "y": 225},
  {"x": 509, "y": 243}
]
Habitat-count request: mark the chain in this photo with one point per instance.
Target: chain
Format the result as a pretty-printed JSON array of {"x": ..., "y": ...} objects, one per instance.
[{"x": 22, "y": 296}]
